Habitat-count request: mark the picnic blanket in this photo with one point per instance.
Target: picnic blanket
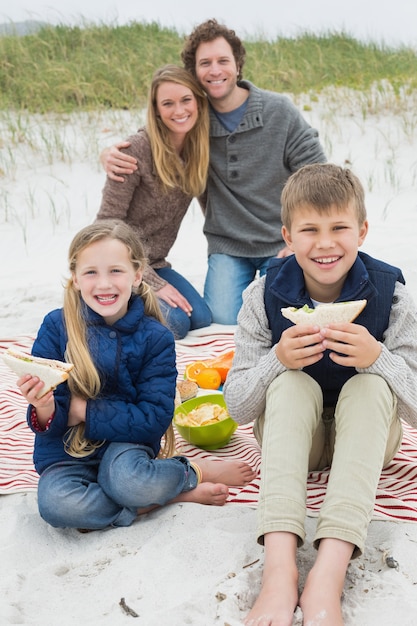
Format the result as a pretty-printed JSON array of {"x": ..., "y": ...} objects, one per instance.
[{"x": 396, "y": 497}]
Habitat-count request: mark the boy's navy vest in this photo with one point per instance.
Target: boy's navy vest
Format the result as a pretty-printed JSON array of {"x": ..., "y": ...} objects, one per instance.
[{"x": 368, "y": 279}]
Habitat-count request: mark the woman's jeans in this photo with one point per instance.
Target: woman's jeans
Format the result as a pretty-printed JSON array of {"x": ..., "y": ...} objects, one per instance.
[
  {"x": 358, "y": 438},
  {"x": 97, "y": 493},
  {"x": 227, "y": 277},
  {"x": 176, "y": 319}
]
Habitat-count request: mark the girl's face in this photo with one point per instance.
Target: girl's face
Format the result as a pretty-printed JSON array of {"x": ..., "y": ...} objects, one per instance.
[
  {"x": 177, "y": 107},
  {"x": 105, "y": 275},
  {"x": 325, "y": 246}
]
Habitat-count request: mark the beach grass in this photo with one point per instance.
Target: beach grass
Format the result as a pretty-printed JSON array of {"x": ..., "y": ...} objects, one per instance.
[{"x": 100, "y": 66}]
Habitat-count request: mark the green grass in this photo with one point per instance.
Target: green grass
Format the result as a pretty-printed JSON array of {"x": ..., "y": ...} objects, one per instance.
[{"x": 90, "y": 67}]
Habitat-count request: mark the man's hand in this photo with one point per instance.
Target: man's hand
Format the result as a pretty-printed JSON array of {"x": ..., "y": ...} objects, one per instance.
[
  {"x": 300, "y": 345},
  {"x": 116, "y": 163},
  {"x": 351, "y": 345},
  {"x": 174, "y": 298},
  {"x": 284, "y": 252}
]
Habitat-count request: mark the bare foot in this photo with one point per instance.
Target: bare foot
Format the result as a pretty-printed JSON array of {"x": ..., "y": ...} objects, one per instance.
[
  {"x": 205, "y": 493},
  {"x": 277, "y": 601},
  {"x": 320, "y": 602},
  {"x": 231, "y": 473}
]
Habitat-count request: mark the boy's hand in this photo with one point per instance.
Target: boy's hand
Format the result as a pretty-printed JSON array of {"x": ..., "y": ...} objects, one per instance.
[
  {"x": 300, "y": 345},
  {"x": 351, "y": 345}
]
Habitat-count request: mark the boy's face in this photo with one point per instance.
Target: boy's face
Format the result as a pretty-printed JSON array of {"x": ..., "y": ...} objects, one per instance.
[{"x": 325, "y": 246}]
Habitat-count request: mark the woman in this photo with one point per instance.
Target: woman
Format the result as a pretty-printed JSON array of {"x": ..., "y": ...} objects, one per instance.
[{"x": 172, "y": 153}]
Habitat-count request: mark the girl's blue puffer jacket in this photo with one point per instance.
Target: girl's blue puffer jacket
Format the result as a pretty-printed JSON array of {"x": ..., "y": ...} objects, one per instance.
[{"x": 136, "y": 360}]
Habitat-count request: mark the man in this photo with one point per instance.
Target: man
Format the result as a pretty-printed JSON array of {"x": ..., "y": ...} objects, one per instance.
[{"x": 257, "y": 140}]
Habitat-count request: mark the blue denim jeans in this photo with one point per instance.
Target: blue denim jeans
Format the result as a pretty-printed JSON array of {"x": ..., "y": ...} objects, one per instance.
[
  {"x": 178, "y": 321},
  {"x": 95, "y": 494},
  {"x": 227, "y": 277}
]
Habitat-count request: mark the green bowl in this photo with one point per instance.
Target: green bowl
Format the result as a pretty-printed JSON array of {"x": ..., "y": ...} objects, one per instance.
[{"x": 212, "y": 436}]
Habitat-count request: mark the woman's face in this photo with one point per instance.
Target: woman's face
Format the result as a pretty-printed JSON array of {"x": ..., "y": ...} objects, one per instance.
[{"x": 177, "y": 107}]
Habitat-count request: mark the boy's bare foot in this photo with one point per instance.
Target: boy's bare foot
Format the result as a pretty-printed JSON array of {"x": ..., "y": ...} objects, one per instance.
[
  {"x": 205, "y": 493},
  {"x": 320, "y": 601},
  {"x": 278, "y": 598},
  {"x": 277, "y": 601},
  {"x": 231, "y": 473}
]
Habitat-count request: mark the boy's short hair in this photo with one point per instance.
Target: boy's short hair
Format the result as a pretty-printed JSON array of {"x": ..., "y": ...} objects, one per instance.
[
  {"x": 322, "y": 186},
  {"x": 209, "y": 31}
]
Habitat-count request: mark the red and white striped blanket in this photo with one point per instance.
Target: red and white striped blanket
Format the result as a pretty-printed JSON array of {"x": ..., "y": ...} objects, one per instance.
[{"x": 397, "y": 491}]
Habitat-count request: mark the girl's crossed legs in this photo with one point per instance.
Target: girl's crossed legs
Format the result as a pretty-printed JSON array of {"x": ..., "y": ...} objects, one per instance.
[{"x": 112, "y": 491}]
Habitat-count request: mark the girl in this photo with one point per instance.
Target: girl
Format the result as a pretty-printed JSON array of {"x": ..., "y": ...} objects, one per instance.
[
  {"x": 98, "y": 437},
  {"x": 172, "y": 153}
]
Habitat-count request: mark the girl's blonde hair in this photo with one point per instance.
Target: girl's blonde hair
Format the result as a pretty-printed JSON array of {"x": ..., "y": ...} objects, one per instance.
[
  {"x": 190, "y": 171},
  {"x": 84, "y": 381}
]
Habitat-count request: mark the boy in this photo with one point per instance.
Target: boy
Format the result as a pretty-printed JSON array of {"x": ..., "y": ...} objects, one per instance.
[{"x": 320, "y": 397}]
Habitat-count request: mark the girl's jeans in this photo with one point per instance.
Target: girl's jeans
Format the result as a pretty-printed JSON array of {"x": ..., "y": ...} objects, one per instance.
[
  {"x": 176, "y": 319},
  {"x": 97, "y": 493},
  {"x": 362, "y": 437}
]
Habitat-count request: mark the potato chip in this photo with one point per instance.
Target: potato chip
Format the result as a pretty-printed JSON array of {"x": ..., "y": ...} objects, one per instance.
[{"x": 203, "y": 415}]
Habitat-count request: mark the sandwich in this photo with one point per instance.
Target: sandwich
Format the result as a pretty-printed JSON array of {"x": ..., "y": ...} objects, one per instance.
[
  {"x": 52, "y": 373},
  {"x": 324, "y": 314}
]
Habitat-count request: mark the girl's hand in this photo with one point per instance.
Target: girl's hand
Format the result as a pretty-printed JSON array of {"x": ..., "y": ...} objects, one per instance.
[
  {"x": 30, "y": 386},
  {"x": 351, "y": 345},
  {"x": 299, "y": 346},
  {"x": 77, "y": 411}
]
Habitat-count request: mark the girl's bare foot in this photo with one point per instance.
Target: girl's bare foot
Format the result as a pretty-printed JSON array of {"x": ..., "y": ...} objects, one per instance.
[
  {"x": 205, "y": 493},
  {"x": 231, "y": 473}
]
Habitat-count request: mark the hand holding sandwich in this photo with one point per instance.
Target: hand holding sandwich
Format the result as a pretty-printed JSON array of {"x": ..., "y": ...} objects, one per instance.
[
  {"x": 351, "y": 345},
  {"x": 30, "y": 387},
  {"x": 299, "y": 346}
]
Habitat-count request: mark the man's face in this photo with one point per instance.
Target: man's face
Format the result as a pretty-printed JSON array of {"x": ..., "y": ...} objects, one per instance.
[{"x": 216, "y": 69}]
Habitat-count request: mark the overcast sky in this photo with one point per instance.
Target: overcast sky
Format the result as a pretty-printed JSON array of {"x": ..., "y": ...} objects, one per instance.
[{"x": 393, "y": 22}]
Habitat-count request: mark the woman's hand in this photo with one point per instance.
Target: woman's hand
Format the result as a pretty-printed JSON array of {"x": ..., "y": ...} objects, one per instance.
[
  {"x": 174, "y": 298},
  {"x": 116, "y": 163}
]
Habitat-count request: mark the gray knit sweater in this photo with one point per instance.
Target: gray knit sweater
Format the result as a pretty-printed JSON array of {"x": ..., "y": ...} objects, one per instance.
[
  {"x": 142, "y": 203},
  {"x": 255, "y": 364},
  {"x": 248, "y": 169}
]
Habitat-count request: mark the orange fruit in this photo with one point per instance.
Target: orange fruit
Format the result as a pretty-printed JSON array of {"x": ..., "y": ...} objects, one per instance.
[
  {"x": 193, "y": 370},
  {"x": 209, "y": 378},
  {"x": 222, "y": 363}
]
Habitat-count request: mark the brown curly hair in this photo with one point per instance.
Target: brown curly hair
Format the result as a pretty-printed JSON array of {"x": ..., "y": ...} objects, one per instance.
[{"x": 209, "y": 31}]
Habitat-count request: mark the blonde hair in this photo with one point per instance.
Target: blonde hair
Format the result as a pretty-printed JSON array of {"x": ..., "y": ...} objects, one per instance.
[
  {"x": 322, "y": 186},
  {"x": 84, "y": 381},
  {"x": 190, "y": 171}
]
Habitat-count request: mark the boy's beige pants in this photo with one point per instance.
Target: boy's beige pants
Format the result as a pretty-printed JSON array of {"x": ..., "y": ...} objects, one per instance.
[{"x": 360, "y": 436}]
